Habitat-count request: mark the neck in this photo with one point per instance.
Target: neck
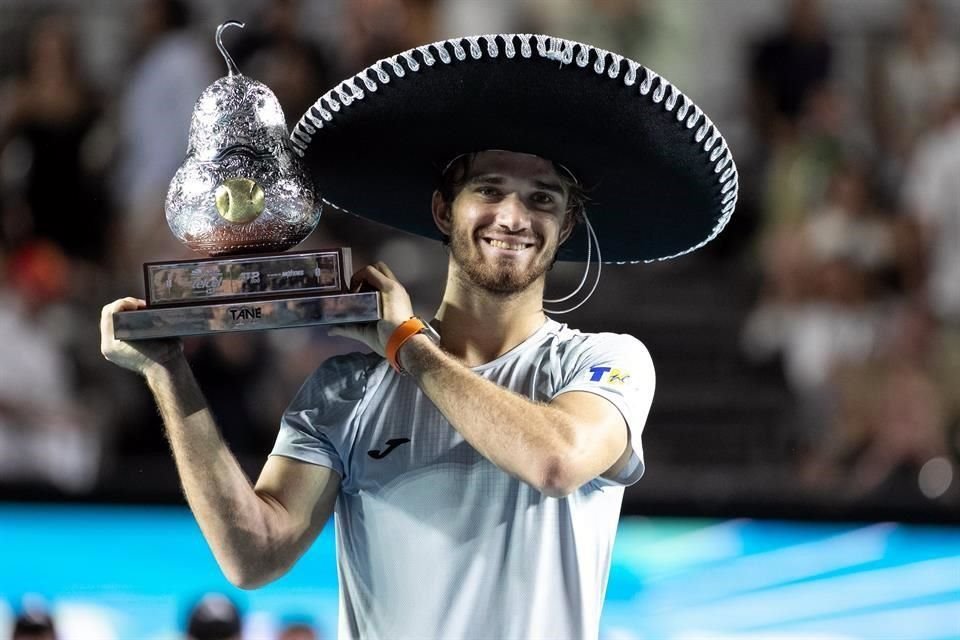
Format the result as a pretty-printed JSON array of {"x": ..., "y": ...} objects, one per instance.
[{"x": 478, "y": 326}]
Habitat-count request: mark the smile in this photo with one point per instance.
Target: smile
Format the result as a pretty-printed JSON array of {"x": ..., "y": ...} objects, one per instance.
[{"x": 508, "y": 246}]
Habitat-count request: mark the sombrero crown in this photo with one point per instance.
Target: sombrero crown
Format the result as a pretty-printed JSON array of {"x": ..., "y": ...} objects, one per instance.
[{"x": 660, "y": 178}]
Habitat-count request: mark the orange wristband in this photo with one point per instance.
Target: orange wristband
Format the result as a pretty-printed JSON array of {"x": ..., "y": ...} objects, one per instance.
[{"x": 406, "y": 330}]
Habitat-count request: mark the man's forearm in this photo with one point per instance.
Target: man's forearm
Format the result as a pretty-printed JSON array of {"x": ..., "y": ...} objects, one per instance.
[
  {"x": 528, "y": 440},
  {"x": 233, "y": 518}
]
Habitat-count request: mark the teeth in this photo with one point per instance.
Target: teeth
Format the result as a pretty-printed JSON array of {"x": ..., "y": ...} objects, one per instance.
[{"x": 500, "y": 244}]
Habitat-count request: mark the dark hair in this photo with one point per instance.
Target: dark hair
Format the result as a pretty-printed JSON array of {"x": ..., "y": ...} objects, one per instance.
[
  {"x": 33, "y": 623},
  {"x": 454, "y": 177}
]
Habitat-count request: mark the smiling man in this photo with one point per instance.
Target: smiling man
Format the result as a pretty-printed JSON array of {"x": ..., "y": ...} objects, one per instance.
[{"x": 476, "y": 463}]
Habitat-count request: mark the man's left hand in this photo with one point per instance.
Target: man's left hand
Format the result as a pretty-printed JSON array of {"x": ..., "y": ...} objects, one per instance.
[{"x": 394, "y": 304}]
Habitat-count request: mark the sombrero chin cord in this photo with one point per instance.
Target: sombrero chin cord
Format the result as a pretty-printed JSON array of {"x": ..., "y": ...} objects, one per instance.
[{"x": 591, "y": 241}]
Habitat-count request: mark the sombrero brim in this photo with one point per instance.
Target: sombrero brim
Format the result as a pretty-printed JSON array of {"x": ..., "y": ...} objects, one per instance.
[{"x": 659, "y": 177}]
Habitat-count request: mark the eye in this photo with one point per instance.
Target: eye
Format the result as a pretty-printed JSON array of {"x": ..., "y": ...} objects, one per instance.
[
  {"x": 543, "y": 198},
  {"x": 487, "y": 191}
]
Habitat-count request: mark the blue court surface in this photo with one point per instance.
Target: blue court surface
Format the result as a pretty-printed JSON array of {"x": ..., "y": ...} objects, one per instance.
[{"x": 119, "y": 573}]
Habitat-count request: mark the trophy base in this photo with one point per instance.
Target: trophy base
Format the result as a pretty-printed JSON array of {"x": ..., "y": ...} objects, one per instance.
[{"x": 246, "y": 315}]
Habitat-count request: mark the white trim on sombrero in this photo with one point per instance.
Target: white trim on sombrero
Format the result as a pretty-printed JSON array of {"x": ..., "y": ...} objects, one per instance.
[{"x": 561, "y": 50}]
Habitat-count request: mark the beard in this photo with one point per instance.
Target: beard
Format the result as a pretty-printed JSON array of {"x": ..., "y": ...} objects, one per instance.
[{"x": 502, "y": 277}]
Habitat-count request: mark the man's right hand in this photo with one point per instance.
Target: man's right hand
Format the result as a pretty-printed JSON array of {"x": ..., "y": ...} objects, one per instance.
[{"x": 141, "y": 355}]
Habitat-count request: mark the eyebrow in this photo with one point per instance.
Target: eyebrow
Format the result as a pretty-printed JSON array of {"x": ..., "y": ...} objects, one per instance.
[{"x": 494, "y": 179}]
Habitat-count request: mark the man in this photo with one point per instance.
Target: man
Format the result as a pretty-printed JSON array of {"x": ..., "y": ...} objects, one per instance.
[{"x": 477, "y": 474}]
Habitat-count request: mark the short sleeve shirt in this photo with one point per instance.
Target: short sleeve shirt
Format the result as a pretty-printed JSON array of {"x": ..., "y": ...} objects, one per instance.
[{"x": 433, "y": 539}]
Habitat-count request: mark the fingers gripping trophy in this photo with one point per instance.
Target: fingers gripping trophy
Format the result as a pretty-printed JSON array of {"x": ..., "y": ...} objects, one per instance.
[{"x": 240, "y": 194}]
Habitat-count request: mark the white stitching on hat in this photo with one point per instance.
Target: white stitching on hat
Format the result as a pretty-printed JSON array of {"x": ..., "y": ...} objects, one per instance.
[
  {"x": 601, "y": 62},
  {"x": 647, "y": 83},
  {"x": 355, "y": 91},
  {"x": 702, "y": 131},
  {"x": 299, "y": 138},
  {"x": 314, "y": 120},
  {"x": 583, "y": 58},
  {"x": 614, "y": 70},
  {"x": 441, "y": 48},
  {"x": 345, "y": 98},
  {"x": 309, "y": 129},
  {"x": 631, "y": 78},
  {"x": 694, "y": 117},
  {"x": 458, "y": 50},
  {"x": 412, "y": 63},
  {"x": 672, "y": 100},
  {"x": 370, "y": 84},
  {"x": 525, "y": 49},
  {"x": 394, "y": 63},
  {"x": 712, "y": 140},
  {"x": 427, "y": 58},
  {"x": 716, "y": 154},
  {"x": 382, "y": 75},
  {"x": 475, "y": 51},
  {"x": 725, "y": 178},
  {"x": 541, "y": 45},
  {"x": 492, "y": 49},
  {"x": 508, "y": 45},
  {"x": 660, "y": 91}
]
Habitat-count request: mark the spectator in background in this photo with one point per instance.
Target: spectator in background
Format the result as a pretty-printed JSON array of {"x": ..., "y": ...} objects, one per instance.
[
  {"x": 155, "y": 110},
  {"x": 51, "y": 175},
  {"x": 374, "y": 29},
  {"x": 823, "y": 309},
  {"x": 931, "y": 195},
  {"x": 802, "y": 160},
  {"x": 214, "y": 617},
  {"x": 33, "y": 625},
  {"x": 890, "y": 414},
  {"x": 788, "y": 67},
  {"x": 273, "y": 50},
  {"x": 298, "y": 631},
  {"x": 46, "y": 435},
  {"x": 919, "y": 76},
  {"x": 660, "y": 34}
]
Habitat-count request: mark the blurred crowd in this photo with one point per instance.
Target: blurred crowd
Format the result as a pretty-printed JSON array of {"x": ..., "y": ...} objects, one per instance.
[
  {"x": 858, "y": 249},
  {"x": 854, "y": 203},
  {"x": 212, "y": 616}
]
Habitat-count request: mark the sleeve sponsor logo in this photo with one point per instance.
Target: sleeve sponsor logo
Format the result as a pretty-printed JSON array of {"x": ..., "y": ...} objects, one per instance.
[{"x": 609, "y": 375}]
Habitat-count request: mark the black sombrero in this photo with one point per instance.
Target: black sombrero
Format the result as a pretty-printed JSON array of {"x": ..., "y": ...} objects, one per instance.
[{"x": 660, "y": 179}]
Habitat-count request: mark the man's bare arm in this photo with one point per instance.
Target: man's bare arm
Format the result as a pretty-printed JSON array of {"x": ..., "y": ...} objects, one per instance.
[
  {"x": 554, "y": 447},
  {"x": 256, "y": 534}
]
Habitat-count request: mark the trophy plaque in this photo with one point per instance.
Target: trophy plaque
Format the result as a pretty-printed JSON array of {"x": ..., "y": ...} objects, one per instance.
[{"x": 241, "y": 195}]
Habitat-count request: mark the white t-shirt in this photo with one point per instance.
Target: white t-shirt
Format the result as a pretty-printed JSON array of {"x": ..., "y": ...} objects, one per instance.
[{"x": 434, "y": 540}]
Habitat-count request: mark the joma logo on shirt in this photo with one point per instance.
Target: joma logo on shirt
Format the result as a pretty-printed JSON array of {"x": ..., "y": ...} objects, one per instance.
[
  {"x": 608, "y": 375},
  {"x": 392, "y": 444}
]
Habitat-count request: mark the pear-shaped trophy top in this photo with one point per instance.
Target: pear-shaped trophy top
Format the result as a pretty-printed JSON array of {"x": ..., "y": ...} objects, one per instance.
[{"x": 240, "y": 189}]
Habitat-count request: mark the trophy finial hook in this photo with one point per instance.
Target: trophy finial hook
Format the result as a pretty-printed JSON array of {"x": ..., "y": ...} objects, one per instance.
[{"x": 231, "y": 65}]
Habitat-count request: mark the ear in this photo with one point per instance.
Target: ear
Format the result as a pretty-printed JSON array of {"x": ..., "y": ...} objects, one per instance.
[
  {"x": 441, "y": 213},
  {"x": 569, "y": 222}
]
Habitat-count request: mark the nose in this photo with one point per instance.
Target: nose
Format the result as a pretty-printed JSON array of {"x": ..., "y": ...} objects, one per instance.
[
  {"x": 239, "y": 200},
  {"x": 512, "y": 214}
]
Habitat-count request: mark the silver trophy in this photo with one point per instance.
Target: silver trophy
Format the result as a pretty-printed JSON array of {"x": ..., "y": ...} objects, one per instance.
[{"x": 241, "y": 193}]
